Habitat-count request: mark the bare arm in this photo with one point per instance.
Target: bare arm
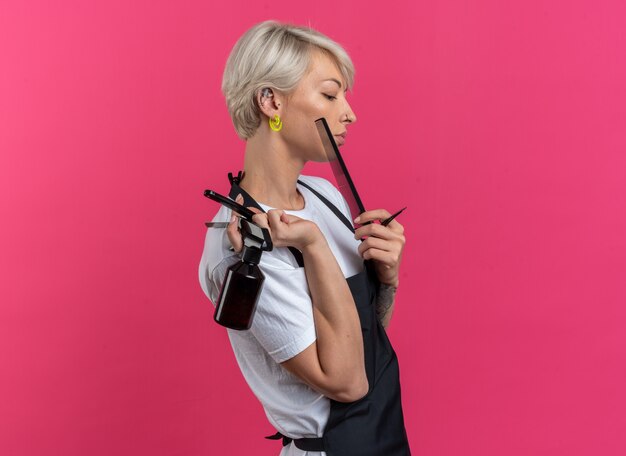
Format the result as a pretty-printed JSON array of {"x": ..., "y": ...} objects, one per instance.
[{"x": 334, "y": 364}]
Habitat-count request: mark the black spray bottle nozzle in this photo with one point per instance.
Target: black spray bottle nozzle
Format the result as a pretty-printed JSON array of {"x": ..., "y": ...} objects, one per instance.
[{"x": 256, "y": 240}]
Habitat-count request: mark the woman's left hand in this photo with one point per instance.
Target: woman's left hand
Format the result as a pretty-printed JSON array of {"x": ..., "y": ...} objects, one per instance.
[{"x": 384, "y": 245}]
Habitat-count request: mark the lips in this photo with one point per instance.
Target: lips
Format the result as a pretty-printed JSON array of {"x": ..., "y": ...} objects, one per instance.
[{"x": 340, "y": 139}]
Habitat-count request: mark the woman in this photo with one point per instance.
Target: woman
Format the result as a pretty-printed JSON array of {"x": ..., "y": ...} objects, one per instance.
[{"x": 317, "y": 356}]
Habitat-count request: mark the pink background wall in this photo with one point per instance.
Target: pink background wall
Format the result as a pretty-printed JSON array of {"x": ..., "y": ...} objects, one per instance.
[{"x": 499, "y": 124}]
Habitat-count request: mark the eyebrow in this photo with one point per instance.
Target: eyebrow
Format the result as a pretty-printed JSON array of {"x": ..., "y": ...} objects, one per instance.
[
  {"x": 338, "y": 82},
  {"x": 333, "y": 80}
]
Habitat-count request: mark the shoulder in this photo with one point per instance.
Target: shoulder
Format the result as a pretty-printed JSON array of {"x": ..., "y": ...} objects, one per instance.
[
  {"x": 318, "y": 183},
  {"x": 324, "y": 187},
  {"x": 328, "y": 190},
  {"x": 216, "y": 256}
]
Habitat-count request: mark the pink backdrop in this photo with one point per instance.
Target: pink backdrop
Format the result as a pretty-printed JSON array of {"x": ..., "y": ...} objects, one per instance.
[{"x": 499, "y": 124}]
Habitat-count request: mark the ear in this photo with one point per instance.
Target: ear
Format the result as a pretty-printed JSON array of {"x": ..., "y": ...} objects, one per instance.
[{"x": 270, "y": 101}]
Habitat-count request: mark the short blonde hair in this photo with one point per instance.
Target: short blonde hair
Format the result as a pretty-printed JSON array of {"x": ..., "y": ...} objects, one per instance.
[{"x": 274, "y": 55}]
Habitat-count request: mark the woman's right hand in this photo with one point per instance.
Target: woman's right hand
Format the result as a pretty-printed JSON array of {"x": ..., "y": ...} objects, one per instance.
[{"x": 285, "y": 230}]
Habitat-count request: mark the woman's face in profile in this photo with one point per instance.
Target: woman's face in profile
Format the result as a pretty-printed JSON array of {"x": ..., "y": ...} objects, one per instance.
[{"x": 320, "y": 93}]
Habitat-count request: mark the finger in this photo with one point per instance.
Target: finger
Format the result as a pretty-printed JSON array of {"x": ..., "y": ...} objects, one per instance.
[
  {"x": 273, "y": 216},
  {"x": 395, "y": 226},
  {"x": 383, "y": 257},
  {"x": 260, "y": 218},
  {"x": 369, "y": 216},
  {"x": 234, "y": 236},
  {"x": 375, "y": 243},
  {"x": 288, "y": 218},
  {"x": 375, "y": 229},
  {"x": 388, "y": 252},
  {"x": 238, "y": 199}
]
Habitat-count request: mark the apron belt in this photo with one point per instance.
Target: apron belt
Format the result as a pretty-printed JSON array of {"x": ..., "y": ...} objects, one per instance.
[{"x": 304, "y": 444}]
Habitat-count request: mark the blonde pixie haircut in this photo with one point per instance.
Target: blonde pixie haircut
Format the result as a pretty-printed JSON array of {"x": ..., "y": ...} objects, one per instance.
[{"x": 274, "y": 55}]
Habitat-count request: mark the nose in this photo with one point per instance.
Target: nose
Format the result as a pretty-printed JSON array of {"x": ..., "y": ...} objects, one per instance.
[{"x": 349, "y": 116}]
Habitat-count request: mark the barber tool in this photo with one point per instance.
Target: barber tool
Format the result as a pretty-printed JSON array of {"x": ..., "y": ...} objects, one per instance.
[
  {"x": 241, "y": 288},
  {"x": 340, "y": 171},
  {"x": 388, "y": 220}
]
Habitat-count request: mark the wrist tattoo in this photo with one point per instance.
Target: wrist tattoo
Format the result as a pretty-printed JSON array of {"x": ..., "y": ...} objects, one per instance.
[{"x": 385, "y": 298}]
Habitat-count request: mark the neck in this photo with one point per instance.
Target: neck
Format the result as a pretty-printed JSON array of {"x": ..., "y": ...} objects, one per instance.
[{"x": 271, "y": 172}]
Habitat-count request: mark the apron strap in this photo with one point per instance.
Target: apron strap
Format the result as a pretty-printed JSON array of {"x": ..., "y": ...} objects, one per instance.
[
  {"x": 304, "y": 444},
  {"x": 248, "y": 201},
  {"x": 330, "y": 205}
]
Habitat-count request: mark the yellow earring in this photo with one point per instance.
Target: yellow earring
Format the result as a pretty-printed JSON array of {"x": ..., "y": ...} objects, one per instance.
[{"x": 276, "y": 124}]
